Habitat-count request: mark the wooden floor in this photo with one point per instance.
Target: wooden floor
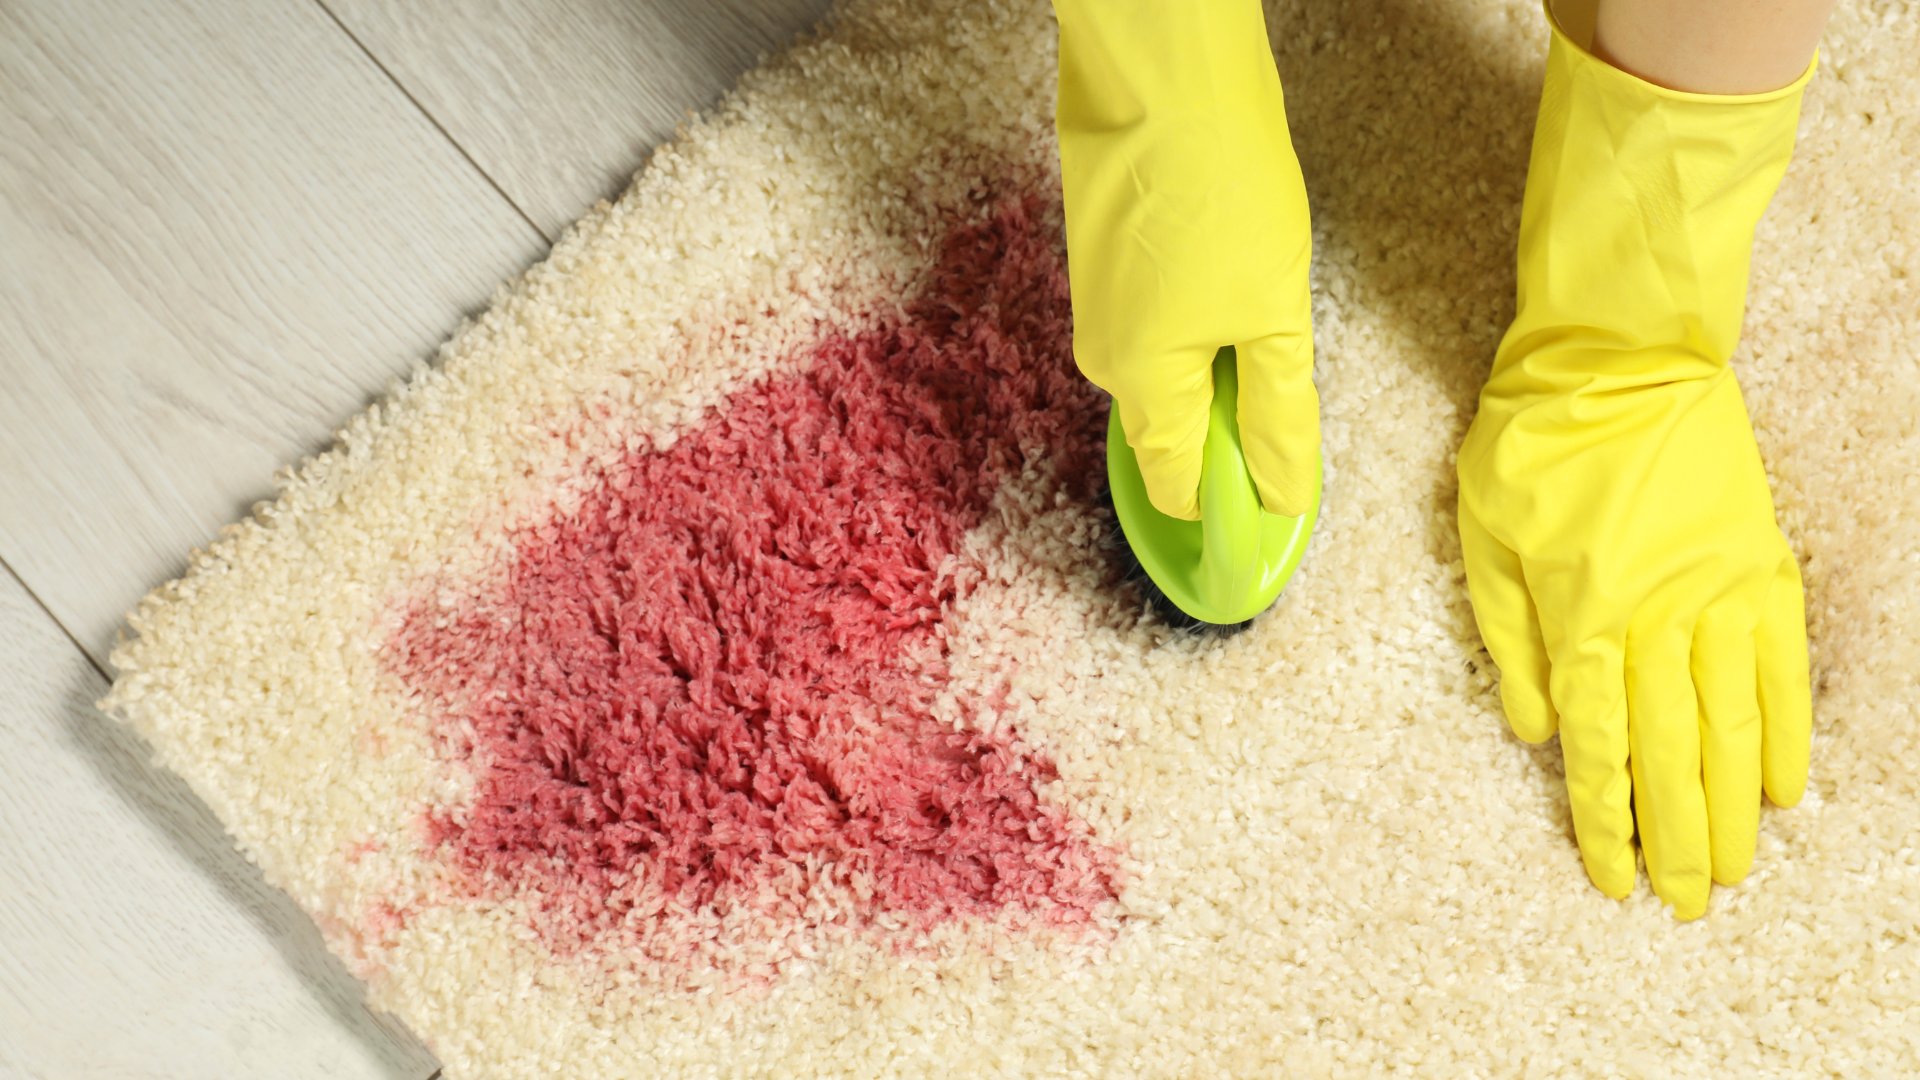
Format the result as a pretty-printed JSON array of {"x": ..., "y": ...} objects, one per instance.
[{"x": 224, "y": 226}]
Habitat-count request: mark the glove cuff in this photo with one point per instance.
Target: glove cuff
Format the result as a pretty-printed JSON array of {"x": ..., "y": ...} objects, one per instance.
[{"x": 1637, "y": 230}]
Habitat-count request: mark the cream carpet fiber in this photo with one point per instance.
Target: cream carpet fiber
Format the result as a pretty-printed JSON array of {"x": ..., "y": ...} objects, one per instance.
[{"x": 709, "y": 667}]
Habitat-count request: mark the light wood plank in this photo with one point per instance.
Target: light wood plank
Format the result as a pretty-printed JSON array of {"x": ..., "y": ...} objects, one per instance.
[
  {"x": 560, "y": 101},
  {"x": 134, "y": 941},
  {"x": 222, "y": 231}
]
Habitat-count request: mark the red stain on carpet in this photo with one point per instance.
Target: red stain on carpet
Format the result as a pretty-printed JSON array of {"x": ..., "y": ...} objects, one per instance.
[{"x": 713, "y": 684}]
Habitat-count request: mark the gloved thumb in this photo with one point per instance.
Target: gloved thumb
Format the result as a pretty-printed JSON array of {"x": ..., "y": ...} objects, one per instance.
[
  {"x": 1510, "y": 626},
  {"x": 1280, "y": 420}
]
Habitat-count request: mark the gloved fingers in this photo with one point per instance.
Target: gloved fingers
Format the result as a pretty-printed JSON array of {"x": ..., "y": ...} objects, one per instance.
[
  {"x": 1279, "y": 413},
  {"x": 1724, "y": 677},
  {"x": 1786, "y": 697},
  {"x": 1511, "y": 628},
  {"x": 1164, "y": 401},
  {"x": 1590, "y": 693},
  {"x": 1663, "y": 717}
]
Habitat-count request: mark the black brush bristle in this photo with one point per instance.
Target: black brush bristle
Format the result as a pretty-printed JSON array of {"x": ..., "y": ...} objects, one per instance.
[{"x": 1156, "y": 600}]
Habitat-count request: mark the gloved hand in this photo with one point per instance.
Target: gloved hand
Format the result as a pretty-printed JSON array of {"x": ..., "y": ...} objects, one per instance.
[
  {"x": 1625, "y": 567},
  {"x": 1187, "y": 230}
]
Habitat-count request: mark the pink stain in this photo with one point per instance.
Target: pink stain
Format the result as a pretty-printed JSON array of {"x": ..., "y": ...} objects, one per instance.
[{"x": 712, "y": 686}]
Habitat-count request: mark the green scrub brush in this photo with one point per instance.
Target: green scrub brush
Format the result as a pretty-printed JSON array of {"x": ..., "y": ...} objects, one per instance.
[{"x": 1230, "y": 565}]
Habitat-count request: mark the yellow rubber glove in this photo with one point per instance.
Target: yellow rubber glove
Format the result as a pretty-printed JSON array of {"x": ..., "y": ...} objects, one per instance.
[
  {"x": 1626, "y": 570},
  {"x": 1187, "y": 230}
]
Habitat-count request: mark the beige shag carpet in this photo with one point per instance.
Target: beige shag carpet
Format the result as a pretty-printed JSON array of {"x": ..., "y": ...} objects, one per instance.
[{"x": 711, "y": 668}]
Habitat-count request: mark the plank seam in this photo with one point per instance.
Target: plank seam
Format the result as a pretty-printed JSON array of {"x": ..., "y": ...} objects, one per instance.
[
  {"x": 55, "y": 619},
  {"x": 431, "y": 119}
]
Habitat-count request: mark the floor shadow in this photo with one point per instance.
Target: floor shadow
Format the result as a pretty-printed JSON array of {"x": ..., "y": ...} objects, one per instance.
[
  {"x": 1413, "y": 123},
  {"x": 122, "y": 760}
]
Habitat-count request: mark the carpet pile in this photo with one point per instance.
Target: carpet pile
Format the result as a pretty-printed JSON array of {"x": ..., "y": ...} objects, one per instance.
[{"x": 712, "y": 665}]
